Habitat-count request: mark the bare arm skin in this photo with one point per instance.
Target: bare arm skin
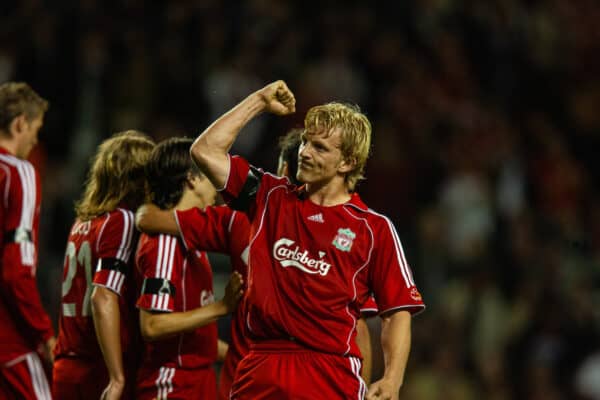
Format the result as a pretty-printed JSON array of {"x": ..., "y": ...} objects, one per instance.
[
  {"x": 107, "y": 321},
  {"x": 395, "y": 342},
  {"x": 151, "y": 219},
  {"x": 363, "y": 340},
  {"x": 222, "y": 348},
  {"x": 156, "y": 326},
  {"x": 210, "y": 149}
]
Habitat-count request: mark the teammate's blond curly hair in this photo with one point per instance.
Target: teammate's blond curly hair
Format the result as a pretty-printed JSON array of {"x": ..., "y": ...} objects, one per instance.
[
  {"x": 355, "y": 131},
  {"x": 116, "y": 177}
]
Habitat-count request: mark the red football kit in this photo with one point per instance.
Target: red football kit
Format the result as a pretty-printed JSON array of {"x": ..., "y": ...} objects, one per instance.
[
  {"x": 25, "y": 323},
  {"x": 310, "y": 269},
  {"x": 174, "y": 279},
  {"x": 223, "y": 230},
  {"x": 98, "y": 253}
]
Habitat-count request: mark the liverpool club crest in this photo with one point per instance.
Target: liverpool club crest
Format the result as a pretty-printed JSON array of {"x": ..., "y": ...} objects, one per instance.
[{"x": 344, "y": 238}]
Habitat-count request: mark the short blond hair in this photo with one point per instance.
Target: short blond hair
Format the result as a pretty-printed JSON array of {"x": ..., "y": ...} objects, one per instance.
[
  {"x": 355, "y": 130},
  {"x": 18, "y": 98},
  {"x": 117, "y": 175}
]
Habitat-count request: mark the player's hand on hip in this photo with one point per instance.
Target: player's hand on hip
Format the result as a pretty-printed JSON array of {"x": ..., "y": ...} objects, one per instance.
[
  {"x": 278, "y": 98},
  {"x": 383, "y": 390},
  {"x": 233, "y": 291},
  {"x": 113, "y": 391}
]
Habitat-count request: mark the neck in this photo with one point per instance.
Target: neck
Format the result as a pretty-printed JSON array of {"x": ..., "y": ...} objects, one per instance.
[
  {"x": 9, "y": 144},
  {"x": 189, "y": 200},
  {"x": 328, "y": 194}
]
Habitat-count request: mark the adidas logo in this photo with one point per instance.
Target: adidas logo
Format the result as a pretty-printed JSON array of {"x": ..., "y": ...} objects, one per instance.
[{"x": 316, "y": 218}]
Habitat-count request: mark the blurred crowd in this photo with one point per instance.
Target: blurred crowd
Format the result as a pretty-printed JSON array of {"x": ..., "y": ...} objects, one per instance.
[{"x": 486, "y": 133}]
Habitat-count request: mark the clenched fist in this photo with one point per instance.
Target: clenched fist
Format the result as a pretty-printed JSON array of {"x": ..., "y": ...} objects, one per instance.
[{"x": 278, "y": 98}]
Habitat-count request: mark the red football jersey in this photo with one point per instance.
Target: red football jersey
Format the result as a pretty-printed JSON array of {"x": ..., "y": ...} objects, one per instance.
[
  {"x": 98, "y": 253},
  {"x": 310, "y": 267},
  {"x": 222, "y": 230},
  {"x": 25, "y": 323},
  {"x": 173, "y": 280}
]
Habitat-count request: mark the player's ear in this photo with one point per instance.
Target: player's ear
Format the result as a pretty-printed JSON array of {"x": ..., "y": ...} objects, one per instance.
[
  {"x": 17, "y": 125},
  {"x": 189, "y": 179},
  {"x": 347, "y": 165}
]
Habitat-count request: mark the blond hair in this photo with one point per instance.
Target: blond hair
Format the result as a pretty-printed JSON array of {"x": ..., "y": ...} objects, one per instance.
[
  {"x": 355, "y": 130},
  {"x": 116, "y": 177},
  {"x": 18, "y": 98}
]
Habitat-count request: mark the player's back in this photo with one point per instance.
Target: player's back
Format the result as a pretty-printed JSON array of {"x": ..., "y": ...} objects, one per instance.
[
  {"x": 105, "y": 237},
  {"x": 175, "y": 280}
]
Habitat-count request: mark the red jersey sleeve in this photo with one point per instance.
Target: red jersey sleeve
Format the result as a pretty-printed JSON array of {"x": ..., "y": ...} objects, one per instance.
[
  {"x": 390, "y": 275},
  {"x": 159, "y": 260},
  {"x": 238, "y": 175},
  {"x": 206, "y": 230},
  {"x": 19, "y": 251},
  {"x": 113, "y": 249},
  {"x": 369, "y": 308},
  {"x": 247, "y": 185}
]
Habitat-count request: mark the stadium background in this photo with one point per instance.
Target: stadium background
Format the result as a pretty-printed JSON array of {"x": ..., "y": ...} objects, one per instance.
[{"x": 486, "y": 134}]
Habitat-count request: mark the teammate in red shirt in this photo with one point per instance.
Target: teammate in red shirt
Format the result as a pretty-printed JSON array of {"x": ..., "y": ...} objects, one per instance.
[
  {"x": 177, "y": 307},
  {"x": 25, "y": 324},
  {"x": 96, "y": 349},
  {"x": 221, "y": 229},
  {"x": 316, "y": 253}
]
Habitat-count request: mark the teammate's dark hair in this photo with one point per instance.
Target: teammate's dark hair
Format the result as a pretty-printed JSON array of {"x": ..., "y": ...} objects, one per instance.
[
  {"x": 288, "y": 152},
  {"x": 167, "y": 171}
]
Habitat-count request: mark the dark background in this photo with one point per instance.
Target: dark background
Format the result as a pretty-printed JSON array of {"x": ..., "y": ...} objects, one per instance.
[{"x": 486, "y": 134}]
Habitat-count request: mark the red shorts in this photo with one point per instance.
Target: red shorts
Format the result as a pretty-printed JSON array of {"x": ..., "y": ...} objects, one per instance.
[
  {"x": 176, "y": 383},
  {"x": 226, "y": 378},
  {"x": 284, "y": 370},
  {"x": 78, "y": 379},
  {"x": 24, "y": 378}
]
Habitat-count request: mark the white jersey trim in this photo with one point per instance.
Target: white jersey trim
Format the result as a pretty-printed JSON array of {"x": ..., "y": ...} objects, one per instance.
[
  {"x": 28, "y": 204},
  {"x": 356, "y": 365},
  {"x": 260, "y": 227},
  {"x": 125, "y": 247},
  {"x": 164, "y": 382},
  {"x": 38, "y": 377},
  {"x": 404, "y": 268},
  {"x": 364, "y": 220}
]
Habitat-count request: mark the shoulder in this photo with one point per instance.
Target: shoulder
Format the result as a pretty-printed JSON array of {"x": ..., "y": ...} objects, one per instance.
[
  {"x": 23, "y": 171},
  {"x": 374, "y": 219}
]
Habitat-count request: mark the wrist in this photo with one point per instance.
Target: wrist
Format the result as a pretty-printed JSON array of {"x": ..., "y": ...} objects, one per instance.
[{"x": 221, "y": 308}]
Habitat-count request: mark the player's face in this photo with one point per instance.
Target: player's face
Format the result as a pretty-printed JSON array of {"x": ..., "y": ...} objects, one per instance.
[
  {"x": 28, "y": 135},
  {"x": 205, "y": 191},
  {"x": 320, "y": 157}
]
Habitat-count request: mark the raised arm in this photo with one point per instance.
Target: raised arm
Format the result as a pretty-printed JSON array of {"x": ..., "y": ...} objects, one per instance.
[
  {"x": 395, "y": 343},
  {"x": 210, "y": 149}
]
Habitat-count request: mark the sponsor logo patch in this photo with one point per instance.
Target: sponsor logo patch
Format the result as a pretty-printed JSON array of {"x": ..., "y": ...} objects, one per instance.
[
  {"x": 415, "y": 295},
  {"x": 290, "y": 255},
  {"x": 344, "y": 239}
]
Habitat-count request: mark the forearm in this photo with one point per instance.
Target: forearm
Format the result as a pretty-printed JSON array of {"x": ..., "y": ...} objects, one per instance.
[
  {"x": 107, "y": 321},
  {"x": 156, "y": 326},
  {"x": 363, "y": 340},
  {"x": 395, "y": 342},
  {"x": 151, "y": 219},
  {"x": 210, "y": 149},
  {"x": 222, "y": 348}
]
